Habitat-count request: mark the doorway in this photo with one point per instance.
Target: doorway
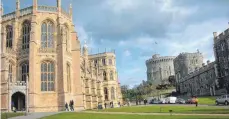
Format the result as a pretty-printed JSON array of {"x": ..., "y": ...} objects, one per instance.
[{"x": 18, "y": 101}]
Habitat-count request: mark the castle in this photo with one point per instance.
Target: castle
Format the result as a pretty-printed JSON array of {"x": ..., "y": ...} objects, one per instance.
[{"x": 42, "y": 66}]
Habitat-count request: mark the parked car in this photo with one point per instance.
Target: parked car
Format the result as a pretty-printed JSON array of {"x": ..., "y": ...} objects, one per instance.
[
  {"x": 170, "y": 100},
  {"x": 180, "y": 101},
  {"x": 162, "y": 101},
  {"x": 154, "y": 102},
  {"x": 190, "y": 101},
  {"x": 224, "y": 99}
]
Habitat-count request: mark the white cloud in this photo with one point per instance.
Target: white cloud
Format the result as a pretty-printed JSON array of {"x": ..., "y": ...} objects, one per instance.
[{"x": 127, "y": 53}]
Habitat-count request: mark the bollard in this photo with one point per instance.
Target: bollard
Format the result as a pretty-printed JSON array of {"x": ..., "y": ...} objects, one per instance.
[{"x": 170, "y": 111}]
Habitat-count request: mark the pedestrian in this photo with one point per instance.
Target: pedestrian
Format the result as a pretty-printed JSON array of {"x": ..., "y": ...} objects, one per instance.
[
  {"x": 119, "y": 104},
  {"x": 105, "y": 104},
  {"x": 66, "y": 106},
  {"x": 196, "y": 100},
  {"x": 72, "y": 105}
]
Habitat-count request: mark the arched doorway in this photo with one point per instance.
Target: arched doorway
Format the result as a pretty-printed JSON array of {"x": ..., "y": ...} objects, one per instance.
[{"x": 18, "y": 101}]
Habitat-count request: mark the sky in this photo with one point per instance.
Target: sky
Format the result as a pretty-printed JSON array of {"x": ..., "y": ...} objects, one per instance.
[{"x": 132, "y": 27}]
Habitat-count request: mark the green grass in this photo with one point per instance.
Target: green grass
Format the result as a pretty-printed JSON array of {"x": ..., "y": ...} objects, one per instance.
[
  {"x": 207, "y": 100},
  {"x": 121, "y": 116},
  {"x": 9, "y": 115},
  {"x": 175, "y": 108}
]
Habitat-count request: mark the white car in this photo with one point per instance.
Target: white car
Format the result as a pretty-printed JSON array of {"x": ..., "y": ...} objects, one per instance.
[
  {"x": 171, "y": 100},
  {"x": 224, "y": 99}
]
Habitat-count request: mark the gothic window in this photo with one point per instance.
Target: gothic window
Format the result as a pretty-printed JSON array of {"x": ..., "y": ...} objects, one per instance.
[
  {"x": 47, "y": 76},
  {"x": 110, "y": 61},
  {"x": 111, "y": 75},
  {"x": 24, "y": 71},
  {"x": 10, "y": 72},
  {"x": 95, "y": 62},
  {"x": 105, "y": 93},
  {"x": 25, "y": 35},
  {"x": 47, "y": 32},
  {"x": 68, "y": 77},
  {"x": 104, "y": 75},
  {"x": 104, "y": 61},
  {"x": 9, "y": 36},
  {"x": 112, "y": 93}
]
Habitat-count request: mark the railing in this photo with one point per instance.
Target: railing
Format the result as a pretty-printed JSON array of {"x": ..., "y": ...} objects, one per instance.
[
  {"x": 26, "y": 11},
  {"x": 47, "y": 50},
  {"x": 8, "y": 16},
  {"x": 47, "y": 9},
  {"x": 18, "y": 83}
]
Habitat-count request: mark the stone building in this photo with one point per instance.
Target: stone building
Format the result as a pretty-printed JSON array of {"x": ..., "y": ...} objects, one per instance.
[
  {"x": 159, "y": 68},
  {"x": 99, "y": 78},
  {"x": 200, "y": 82},
  {"x": 186, "y": 63},
  {"x": 41, "y": 63},
  {"x": 221, "y": 51}
]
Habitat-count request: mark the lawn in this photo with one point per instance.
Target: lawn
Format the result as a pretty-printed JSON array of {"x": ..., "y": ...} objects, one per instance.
[
  {"x": 207, "y": 100},
  {"x": 174, "y": 108},
  {"x": 121, "y": 116},
  {"x": 5, "y": 115}
]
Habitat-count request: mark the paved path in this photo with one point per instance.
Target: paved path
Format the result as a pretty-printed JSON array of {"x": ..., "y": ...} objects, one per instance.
[
  {"x": 156, "y": 113},
  {"x": 37, "y": 115}
]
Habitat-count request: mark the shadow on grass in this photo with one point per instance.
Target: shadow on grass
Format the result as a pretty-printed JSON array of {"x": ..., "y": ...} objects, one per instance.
[{"x": 9, "y": 115}]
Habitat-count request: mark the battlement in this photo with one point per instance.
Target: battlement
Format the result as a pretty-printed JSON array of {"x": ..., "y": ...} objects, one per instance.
[
  {"x": 157, "y": 58},
  {"x": 204, "y": 68},
  {"x": 221, "y": 36},
  {"x": 29, "y": 10}
]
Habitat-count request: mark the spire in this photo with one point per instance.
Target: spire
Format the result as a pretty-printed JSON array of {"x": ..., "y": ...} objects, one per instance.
[
  {"x": 59, "y": 3},
  {"x": 1, "y": 9},
  {"x": 85, "y": 49},
  {"x": 17, "y": 5},
  {"x": 70, "y": 10},
  {"x": 34, "y": 6}
]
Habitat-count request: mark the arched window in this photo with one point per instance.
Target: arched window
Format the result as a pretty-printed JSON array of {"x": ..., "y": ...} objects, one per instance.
[
  {"x": 10, "y": 75},
  {"x": 47, "y": 76},
  {"x": 104, "y": 75},
  {"x": 104, "y": 61},
  {"x": 105, "y": 93},
  {"x": 111, "y": 75},
  {"x": 47, "y": 32},
  {"x": 110, "y": 61},
  {"x": 24, "y": 71},
  {"x": 9, "y": 36},
  {"x": 25, "y": 35},
  {"x": 68, "y": 78},
  {"x": 112, "y": 93}
]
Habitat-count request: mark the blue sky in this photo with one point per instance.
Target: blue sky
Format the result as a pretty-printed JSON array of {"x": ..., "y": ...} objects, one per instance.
[{"x": 132, "y": 27}]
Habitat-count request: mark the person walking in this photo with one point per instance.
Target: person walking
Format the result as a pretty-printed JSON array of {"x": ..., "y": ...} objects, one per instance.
[
  {"x": 105, "y": 104},
  {"x": 196, "y": 100},
  {"x": 66, "y": 107},
  {"x": 72, "y": 105}
]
